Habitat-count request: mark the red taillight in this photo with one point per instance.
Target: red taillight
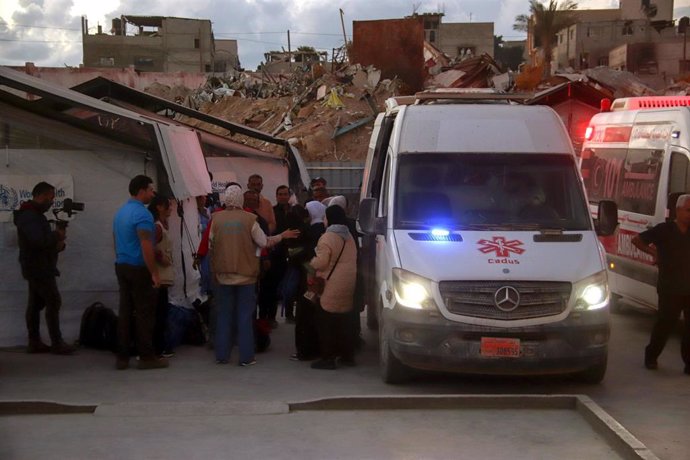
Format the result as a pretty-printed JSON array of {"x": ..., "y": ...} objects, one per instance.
[{"x": 588, "y": 133}]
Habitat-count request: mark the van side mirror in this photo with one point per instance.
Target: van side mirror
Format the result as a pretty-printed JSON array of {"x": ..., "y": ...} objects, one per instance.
[
  {"x": 608, "y": 218},
  {"x": 368, "y": 221},
  {"x": 671, "y": 205}
]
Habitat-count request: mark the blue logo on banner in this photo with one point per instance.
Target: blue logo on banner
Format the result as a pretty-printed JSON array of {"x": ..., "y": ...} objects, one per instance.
[{"x": 9, "y": 200}]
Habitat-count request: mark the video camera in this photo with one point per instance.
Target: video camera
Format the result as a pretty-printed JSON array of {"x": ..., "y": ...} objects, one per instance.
[{"x": 69, "y": 207}]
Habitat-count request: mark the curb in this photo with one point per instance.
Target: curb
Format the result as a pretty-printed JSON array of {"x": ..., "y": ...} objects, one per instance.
[
  {"x": 43, "y": 408},
  {"x": 620, "y": 439}
]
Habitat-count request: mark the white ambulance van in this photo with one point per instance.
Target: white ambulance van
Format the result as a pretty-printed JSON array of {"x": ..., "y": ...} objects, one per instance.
[
  {"x": 482, "y": 255},
  {"x": 637, "y": 155}
]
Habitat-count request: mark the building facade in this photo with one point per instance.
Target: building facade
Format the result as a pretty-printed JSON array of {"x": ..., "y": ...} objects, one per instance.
[
  {"x": 458, "y": 39},
  {"x": 588, "y": 42},
  {"x": 159, "y": 44}
]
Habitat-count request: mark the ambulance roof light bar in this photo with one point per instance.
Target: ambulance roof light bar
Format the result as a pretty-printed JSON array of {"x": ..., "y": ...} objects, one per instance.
[{"x": 649, "y": 102}]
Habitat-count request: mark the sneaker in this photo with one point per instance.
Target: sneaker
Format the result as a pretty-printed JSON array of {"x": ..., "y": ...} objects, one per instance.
[
  {"x": 168, "y": 354},
  {"x": 62, "y": 349},
  {"x": 248, "y": 363},
  {"x": 651, "y": 364},
  {"x": 121, "y": 364},
  {"x": 328, "y": 364},
  {"x": 221, "y": 361},
  {"x": 155, "y": 363},
  {"x": 294, "y": 357},
  {"x": 37, "y": 346}
]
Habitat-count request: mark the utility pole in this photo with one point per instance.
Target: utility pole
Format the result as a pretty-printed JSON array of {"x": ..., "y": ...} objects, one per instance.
[
  {"x": 289, "y": 52},
  {"x": 683, "y": 29},
  {"x": 342, "y": 23}
]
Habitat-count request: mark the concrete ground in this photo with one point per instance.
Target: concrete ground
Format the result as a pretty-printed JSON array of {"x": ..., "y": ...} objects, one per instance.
[{"x": 653, "y": 406}]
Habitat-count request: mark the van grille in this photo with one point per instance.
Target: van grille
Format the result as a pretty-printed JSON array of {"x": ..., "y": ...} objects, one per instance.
[{"x": 476, "y": 298}]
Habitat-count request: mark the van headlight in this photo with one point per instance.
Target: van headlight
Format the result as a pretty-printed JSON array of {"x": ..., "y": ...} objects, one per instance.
[
  {"x": 411, "y": 290},
  {"x": 592, "y": 293}
]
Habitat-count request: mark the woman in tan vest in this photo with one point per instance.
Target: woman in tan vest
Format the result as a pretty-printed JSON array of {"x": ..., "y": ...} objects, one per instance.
[
  {"x": 160, "y": 209},
  {"x": 235, "y": 238}
]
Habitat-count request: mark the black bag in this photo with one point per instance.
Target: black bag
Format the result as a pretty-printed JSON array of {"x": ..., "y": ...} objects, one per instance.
[{"x": 98, "y": 328}]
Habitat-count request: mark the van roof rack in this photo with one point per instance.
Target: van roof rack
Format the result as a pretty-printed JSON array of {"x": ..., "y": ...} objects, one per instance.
[
  {"x": 649, "y": 102},
  {"x": 460, "y": 95}
]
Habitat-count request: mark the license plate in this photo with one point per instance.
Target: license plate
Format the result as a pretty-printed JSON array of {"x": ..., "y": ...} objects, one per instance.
[{"x": 500, "y": 347}]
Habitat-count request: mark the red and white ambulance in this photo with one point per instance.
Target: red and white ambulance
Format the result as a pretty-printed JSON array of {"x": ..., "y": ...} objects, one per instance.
[{"x": 637, "y": 155}]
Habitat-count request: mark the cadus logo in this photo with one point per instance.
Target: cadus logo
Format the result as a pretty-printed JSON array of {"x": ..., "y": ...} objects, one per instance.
[{"x": 502, "y": 248}]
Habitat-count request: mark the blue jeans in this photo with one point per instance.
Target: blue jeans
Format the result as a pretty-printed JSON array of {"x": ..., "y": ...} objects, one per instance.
[
  {"x": 236, "y": 305},
  {"x": 288, "y": 288}
]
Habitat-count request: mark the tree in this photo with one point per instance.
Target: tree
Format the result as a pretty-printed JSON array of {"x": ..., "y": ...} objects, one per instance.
[{"x": 544, "y": 22}]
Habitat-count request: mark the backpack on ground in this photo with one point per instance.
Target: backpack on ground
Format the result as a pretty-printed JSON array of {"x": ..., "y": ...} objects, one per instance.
[{"x": 98, "y": 328}]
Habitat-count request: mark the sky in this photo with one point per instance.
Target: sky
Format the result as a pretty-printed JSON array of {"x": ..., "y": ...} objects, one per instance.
[{"x": 48, "y": 32}]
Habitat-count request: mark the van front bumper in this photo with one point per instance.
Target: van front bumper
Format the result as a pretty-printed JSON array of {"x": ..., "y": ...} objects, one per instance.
[{"x": 428, "y": 341}]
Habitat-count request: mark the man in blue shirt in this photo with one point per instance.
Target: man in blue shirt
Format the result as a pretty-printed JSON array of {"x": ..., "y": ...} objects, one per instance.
[{"x": 137, "y": 275}]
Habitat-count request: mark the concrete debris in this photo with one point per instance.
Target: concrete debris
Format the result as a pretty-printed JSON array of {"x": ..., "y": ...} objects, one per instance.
[
  {"x": 624, "y": 84},
  {"x": 470, "y": 72},
  {"x": 360, "y": 80},
  {"x": 321, "y": 113}
]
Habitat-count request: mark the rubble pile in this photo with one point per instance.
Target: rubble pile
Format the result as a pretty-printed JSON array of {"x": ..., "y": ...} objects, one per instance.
[
  {"x": 327, "y": 116},
  {"x": 624, "y": 84},
  {"x": 471, "y": 72}
]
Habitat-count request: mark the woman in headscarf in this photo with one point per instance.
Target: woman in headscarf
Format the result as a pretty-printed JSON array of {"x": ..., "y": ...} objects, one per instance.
[
  {"x": 336, "y": 263},
  {"x": 234, "y": 238},
  {"x": 160, "y": 209}
]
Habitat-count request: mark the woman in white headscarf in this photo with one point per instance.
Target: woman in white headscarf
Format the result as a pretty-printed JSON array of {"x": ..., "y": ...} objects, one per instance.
[{"x": 234, "y": 240}]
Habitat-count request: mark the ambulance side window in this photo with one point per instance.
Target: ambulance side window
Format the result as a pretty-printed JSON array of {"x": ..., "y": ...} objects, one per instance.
[{"x": 679, "y": 180}]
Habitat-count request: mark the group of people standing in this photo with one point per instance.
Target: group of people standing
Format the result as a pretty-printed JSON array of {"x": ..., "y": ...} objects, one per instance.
[
  {"x": 260, "y": 254},
  {"x": 252, "y": 255}
]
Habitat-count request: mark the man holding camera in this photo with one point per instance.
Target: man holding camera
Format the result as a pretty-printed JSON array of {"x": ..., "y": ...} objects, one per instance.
[{"x": 39, "y": 246}]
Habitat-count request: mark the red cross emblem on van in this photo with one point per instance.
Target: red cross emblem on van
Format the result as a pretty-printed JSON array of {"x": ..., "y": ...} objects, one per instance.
[{"x": 500, "y": 246}]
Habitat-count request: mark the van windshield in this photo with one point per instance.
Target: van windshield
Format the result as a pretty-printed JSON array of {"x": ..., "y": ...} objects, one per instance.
[{"x": 489, "y": 191}]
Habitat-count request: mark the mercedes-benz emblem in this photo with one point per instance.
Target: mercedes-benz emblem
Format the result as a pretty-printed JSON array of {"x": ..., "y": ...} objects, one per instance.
[{"x": 507, "y": 298}]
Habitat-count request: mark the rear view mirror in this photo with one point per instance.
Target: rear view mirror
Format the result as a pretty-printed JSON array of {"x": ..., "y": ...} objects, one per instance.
[
  {"x": 608, "y": 218},
  {"x": 368, "y": 221}
]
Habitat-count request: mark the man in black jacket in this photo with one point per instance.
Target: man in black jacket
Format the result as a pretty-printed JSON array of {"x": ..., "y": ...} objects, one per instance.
[
  {"x": 669, "y": 244},
  {"x": 39, "y": 246}
]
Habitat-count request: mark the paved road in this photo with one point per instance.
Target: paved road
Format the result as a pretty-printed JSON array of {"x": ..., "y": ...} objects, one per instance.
[{"x": 654, "y": 406}]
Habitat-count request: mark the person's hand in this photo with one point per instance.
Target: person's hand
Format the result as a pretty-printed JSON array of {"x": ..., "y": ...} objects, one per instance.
[
  {"x": 196, "y": 263},
  {"x": 61, "y": 246},
  {"x": 290, "y": 234},
  {"x": 155, "y": 277}
]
